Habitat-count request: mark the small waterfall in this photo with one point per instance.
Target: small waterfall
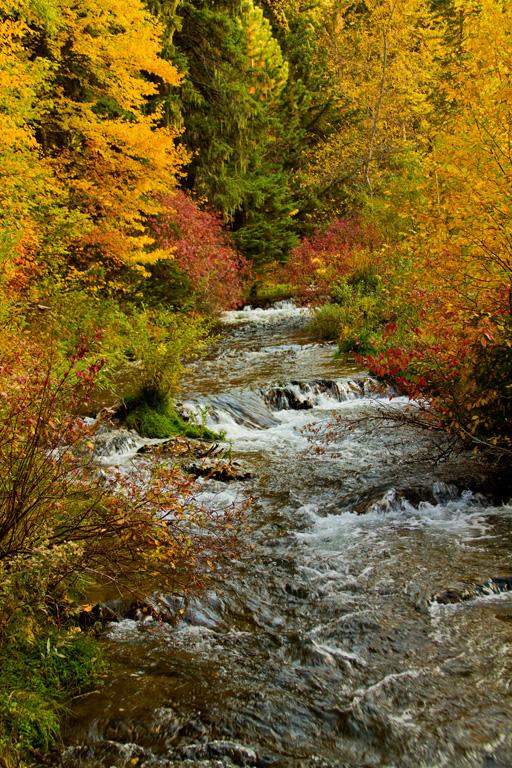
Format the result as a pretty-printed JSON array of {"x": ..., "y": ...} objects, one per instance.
[
  {"x": 304, "y": 395},
  {"x": 279, "y": 312},
  {"x": 245, "y": 408},
  {"x": 255, "y": 408},
  {"x": 112, "y": 443}
]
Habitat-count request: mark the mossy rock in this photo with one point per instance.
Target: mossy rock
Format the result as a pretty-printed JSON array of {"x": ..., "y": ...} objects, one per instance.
[
  {"x": 163, "y": 421},
  {"x": 265, "y": 294}
]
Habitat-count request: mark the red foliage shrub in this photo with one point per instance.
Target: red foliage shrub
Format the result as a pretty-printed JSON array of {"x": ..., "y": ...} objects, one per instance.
[
  {"x": 59, "y": 509},
  {"x": 327, "y": 256},
  {"x": 202, "y": 251}
]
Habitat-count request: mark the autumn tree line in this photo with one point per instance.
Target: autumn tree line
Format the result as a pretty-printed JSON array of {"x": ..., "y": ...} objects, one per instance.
[
  {"x": 170, "y": 155},
  {"x": 163, "y": 160}
]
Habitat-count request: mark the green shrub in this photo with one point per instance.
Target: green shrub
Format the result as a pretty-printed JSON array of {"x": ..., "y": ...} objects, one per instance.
[
  {"x": 162, "y": 342},
  {"x": 38, "y": 674},
  {"x": 159, "y": 340},
  {"x": 265, "y": 294},
  {"x": 362, "y": 309},
  {"x": 327, "y": 320},
  {"x": 361, "y": 324}
]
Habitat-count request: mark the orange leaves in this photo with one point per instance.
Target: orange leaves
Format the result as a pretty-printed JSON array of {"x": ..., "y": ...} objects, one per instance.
[
  {"x": 22, "y": 172},
  {"x": 124, "y": 158}
]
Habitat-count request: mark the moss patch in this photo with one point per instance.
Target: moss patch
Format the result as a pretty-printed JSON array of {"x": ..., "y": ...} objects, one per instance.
[
  {"x": 156, "y": 417},
  {"x": 265, "y": 294}
]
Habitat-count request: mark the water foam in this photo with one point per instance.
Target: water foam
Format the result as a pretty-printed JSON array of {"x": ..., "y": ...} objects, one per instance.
[
  {"x": 466, "y": 517},
  {"x": 280, "y": 311}
]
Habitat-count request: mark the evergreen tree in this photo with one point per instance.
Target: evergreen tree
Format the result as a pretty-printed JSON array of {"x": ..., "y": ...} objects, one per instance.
[
  {"x": 230, "y": 105},
  {"x": 310, "y": 99}
]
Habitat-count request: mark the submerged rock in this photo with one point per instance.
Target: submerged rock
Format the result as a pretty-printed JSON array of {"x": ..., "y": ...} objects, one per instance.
[
  {"x": 494, "y": 586},
  {"x": 238, "y": 754},
  {"x": 110, "y": 442},
  {"x": 305, "y": 395},
  {"x": 158, "y": 607},
  {"x": 282, "y": 398},
  {"x": 99, "y": 614}
]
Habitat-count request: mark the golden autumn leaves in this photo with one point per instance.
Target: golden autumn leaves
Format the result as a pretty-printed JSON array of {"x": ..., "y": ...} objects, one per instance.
[{"x": 82, "y": 145}]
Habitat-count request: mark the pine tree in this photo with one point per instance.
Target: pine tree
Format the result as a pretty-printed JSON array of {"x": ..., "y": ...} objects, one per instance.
[{"x": 229, "y": 104}]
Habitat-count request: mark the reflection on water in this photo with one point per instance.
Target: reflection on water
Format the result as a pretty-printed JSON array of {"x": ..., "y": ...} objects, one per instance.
[{"x": 321, "y": 647}]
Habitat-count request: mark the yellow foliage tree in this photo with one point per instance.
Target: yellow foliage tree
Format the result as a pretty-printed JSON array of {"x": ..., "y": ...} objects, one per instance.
[
  {"x": 455, "y": 299},
  {"x": 82, "y": 74},
  {"x": 383, "y": 59},
  {"x": 23, "y": 173},
  {"x": 463, "y": 247}
]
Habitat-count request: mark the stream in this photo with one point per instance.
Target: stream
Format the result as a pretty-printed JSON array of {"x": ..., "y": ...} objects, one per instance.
[{"x": 321, "y": 646}]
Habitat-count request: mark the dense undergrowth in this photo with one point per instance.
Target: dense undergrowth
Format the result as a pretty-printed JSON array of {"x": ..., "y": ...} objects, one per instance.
[
  {"x": 433, "y": 344},
  {"x": 39, "y": 671}
]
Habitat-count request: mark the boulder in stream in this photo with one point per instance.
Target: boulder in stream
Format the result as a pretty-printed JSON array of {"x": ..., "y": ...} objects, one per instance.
[{"x": 98, "y": 614}]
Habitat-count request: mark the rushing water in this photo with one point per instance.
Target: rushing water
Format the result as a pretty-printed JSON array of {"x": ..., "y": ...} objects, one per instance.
[{"x": 321, "y": 646}]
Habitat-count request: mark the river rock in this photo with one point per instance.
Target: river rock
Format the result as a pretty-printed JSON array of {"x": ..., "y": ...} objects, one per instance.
[
  {"x": 237, "y": 754},
  {"x": 111, "y": 442},
  {"x": 218, "y": 469},
  {"x": 166, "y": 608},
  {"x": 101, "y": 614},
  {"x": 283, "y": 398},
  {"x": 493, "y": 586}
]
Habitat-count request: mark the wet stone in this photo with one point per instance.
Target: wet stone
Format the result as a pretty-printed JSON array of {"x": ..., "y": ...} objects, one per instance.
[
  {"x": 101, "y": 613},
  {"x": 237, "y": 754},
  {"x": 298, "y": 591},
  {"x": 219, "y": 469},
  {"x": 118, "y": 755},
  {"x": 494, "y": 586},
  {"x": 111, "y": 442}
]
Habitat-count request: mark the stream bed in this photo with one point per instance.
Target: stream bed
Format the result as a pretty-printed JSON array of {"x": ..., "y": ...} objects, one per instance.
[{"x": 321, "y": 646}]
